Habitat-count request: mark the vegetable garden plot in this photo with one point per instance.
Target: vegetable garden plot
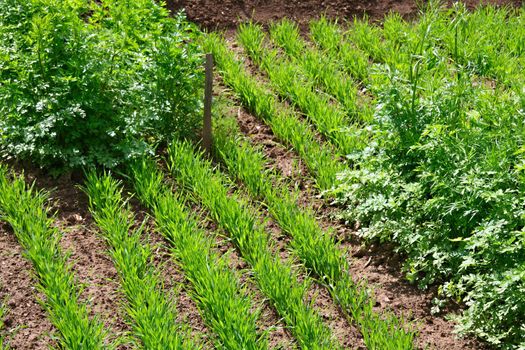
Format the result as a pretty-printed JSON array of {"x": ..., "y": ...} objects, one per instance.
[
  {"x": 411, "y": 302},
  {"x": 412, "y": 130}
]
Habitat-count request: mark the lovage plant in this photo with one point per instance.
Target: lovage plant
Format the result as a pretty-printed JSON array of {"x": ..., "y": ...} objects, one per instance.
[{"x": 87, "y": 83}]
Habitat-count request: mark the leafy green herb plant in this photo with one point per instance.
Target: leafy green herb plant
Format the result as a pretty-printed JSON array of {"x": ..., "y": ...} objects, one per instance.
[{"x": 94, "y": 83}]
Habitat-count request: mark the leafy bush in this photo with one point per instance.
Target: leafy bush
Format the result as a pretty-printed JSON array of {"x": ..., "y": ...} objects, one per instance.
[
  {"x": 443, "y": 179},
  {"x": 453, "y": 202},
  {"x": 94, "y": 83}
]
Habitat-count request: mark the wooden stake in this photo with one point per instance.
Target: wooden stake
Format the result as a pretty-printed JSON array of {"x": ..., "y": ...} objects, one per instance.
[{"x": 208, "y": 91}]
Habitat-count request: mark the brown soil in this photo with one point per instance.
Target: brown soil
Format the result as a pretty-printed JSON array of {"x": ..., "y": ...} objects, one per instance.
[
  {"x": 382, "y": 269},
  {"x": 26, "y": 325},
  {"x": 227, "y": 14}
]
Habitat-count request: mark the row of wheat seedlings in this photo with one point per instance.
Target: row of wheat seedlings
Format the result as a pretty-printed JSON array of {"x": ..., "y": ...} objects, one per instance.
[
  {"x": 369, "y": 39},
  {"x": 274, "y": 277},
  {"x": 286, "y": 78},
  {"x": 327, "y": 36},
  {"x": 331, "y": 79},
  {"x": 315, "y": 247},
  {"x": 337, "y": 45},
  {"x": 24, "y": 208},
  {"x": 284, "y": 123},
  {"x": 225, "y": 306},
  {"x": 398, "y": 46},
  {"x": 151, "y": 315}
]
